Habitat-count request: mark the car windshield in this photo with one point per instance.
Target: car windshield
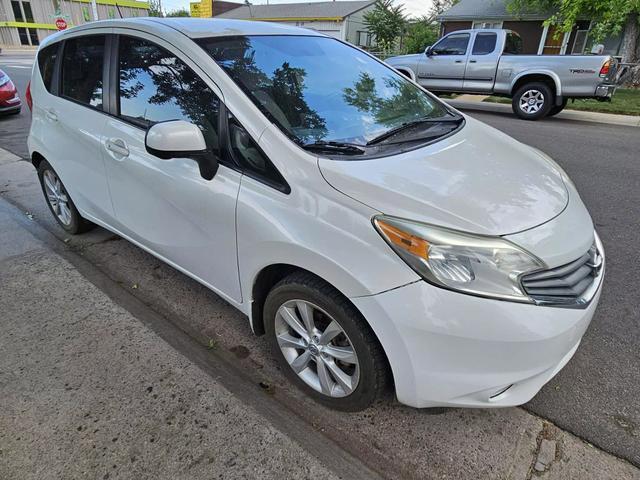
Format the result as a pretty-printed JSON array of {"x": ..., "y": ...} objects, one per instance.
[{"x": 319, "y": 90}]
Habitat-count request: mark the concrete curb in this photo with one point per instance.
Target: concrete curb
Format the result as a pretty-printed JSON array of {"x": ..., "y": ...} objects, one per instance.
[{"x": 575, "y": 115}]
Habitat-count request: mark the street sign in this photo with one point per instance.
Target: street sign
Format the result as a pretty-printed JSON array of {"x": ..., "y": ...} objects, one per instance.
[{"x": 61, "y": 24}]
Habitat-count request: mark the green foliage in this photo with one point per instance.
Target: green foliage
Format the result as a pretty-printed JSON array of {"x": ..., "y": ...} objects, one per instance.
[
  {"x": 386, "y": 22},
  {"x": 154, "y": 8},
  {"x": 180, "y": 12},
  {"x": 440, "y": 6},
  {"x": 420, "y": 35},
  {"x": 609, "y": 16}
]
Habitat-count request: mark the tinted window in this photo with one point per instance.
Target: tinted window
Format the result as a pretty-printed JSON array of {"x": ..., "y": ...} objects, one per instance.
[
  {"x": 455, "y": 44},
  {"x": 485, "y": 43},
  {"x": 82, "y": 63},
  {"x": 46, "y": 63},
  {"x": 318, "y": 89},
  {"x": 513, "y": 44},
  {"x": 155, "y": 86}
]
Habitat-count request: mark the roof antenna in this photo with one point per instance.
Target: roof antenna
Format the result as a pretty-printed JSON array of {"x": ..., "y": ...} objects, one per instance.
[{"x": 118, "y": 8}]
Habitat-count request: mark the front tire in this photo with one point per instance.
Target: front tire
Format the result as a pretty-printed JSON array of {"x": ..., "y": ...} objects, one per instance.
[
  {"x": 59, "y": 201},
  {"x": 323, "y": 344},
  {"x": 532, "y": 101}
]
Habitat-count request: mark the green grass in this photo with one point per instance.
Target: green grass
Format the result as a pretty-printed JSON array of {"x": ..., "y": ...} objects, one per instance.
[{"x": 624, "y": 101}]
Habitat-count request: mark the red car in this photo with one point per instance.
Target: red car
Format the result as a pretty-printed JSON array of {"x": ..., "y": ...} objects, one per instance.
[{"x": 9, "y": 98}]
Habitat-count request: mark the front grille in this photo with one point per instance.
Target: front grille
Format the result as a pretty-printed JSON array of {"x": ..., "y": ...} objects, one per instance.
[{"x": 567, "y": 284}]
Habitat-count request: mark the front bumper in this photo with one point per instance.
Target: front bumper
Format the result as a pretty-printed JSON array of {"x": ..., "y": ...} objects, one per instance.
[{"x": 451, "y": 349}]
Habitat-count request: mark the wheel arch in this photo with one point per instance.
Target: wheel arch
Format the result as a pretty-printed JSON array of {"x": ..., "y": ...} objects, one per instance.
[
  {"x": 545, "y": 76},
  {"x": 407, "y": 72},
  {"x": 36, "y": 159}
]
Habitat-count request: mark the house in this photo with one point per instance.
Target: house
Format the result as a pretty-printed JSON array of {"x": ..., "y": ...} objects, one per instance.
[
  {"x": 342, "y": 20},
  {"x": 25, "y": 22},
  {"x": 537, "y": 38}
]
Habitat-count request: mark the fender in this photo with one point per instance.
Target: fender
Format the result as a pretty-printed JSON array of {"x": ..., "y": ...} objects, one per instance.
[{"x": 536, "y": 71}]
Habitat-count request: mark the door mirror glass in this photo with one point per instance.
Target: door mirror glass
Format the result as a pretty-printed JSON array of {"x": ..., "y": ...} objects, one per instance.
[
  {"x": 181, "y": 139},
  {"x": 427, "y": 51}
]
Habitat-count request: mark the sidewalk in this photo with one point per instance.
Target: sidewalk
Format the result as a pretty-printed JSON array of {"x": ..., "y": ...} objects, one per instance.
[
  {"x": 91, "y": 389},
  {"x": 474, "y": 102},
  {"x": 89, "y": 392}
]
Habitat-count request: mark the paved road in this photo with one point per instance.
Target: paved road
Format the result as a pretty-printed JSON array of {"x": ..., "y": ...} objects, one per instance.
[{"x": 597, "y": 396}]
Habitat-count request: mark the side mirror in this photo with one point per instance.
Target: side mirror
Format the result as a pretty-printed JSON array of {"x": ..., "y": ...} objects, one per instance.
[
  {"x": 428, "y": 51},
  {"x": 180, "y": 139}
]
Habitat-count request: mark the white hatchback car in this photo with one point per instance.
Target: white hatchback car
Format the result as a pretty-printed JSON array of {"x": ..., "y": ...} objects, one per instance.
[{"x": 377, "y": 236}]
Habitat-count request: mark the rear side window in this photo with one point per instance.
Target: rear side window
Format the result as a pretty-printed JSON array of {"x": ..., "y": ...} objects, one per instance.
[
  {"x": 82, "y": 65},
  {"x": 513, "y": 44},
  {"x": 155, "y": 86},
  {"x": 46, "y": 63},
  {"x": 455, "y": 44},
  {"x": 485, "y": 43}
]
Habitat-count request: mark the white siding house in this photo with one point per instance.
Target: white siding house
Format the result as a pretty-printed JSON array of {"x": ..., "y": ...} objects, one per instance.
[{"x": 342, "y": 20}]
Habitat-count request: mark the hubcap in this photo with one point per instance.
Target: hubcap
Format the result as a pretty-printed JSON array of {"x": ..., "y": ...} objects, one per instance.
[
  {"x": 531, "y": 101},
  {"x": 57, "y": 197},
  {"x": 317, "y": 349}
]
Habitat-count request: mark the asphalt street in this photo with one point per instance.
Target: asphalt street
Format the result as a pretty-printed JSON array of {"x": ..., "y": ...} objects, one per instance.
[{"x": 597, "y": 395}]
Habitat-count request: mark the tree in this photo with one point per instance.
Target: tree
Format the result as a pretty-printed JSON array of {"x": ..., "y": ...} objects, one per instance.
[
  {"x": 610, "y": 17},
  {"x": 155, "y": 8},
  {"x": 440, "y": 6},
  {"x": 179, "y": 12},
  {"x": 386, "y": 22},
  {"x": 420, "y": 35}
]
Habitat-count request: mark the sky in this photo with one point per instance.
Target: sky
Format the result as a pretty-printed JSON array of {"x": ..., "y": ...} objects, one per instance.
[{"x": 412, "y": 8}]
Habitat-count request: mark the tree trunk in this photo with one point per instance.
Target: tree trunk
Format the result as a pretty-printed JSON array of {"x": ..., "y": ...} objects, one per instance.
[{"x": 629, "y": 47}]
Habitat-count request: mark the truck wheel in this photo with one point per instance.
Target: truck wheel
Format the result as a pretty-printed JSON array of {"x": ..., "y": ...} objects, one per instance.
[
  {"x": 556, "y": 109},
  {"x": 532, "y": 101}
]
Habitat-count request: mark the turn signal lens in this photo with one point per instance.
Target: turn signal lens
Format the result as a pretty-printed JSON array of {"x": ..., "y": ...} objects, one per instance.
[
  {"x": 412, "y": 244},
  {"x": 28, "y": 97}
]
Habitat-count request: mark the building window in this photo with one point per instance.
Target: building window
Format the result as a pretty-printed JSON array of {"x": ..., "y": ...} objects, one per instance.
[
  {"x": 33, "y": 35},
  {"x": 478, "y": 24},
  {"x": 364, "y": 39},
  {"x": 17, "y": 11},
  {"x": 28, "y": 14},
  {"x": 24, "y": 36}
]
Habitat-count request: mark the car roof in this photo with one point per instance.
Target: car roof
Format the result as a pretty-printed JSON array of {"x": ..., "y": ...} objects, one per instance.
[{"x": 197, "y": 27}]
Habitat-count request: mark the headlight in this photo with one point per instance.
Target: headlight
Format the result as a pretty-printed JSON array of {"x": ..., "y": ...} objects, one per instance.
[{"x": 480, "y": 265}]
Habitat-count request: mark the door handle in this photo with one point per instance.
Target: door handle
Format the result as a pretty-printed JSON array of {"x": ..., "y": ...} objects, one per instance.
[
  {"x": 458, "y": 61},
  {"x": 117, "y": 146},
  {"x": 51, "y": 115},
  {"x": 473, "y": 61}
]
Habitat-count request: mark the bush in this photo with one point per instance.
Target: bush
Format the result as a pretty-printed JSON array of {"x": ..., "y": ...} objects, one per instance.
[{"x": 420, "y": 35}]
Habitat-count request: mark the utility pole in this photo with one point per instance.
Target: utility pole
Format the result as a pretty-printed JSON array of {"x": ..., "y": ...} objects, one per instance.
[{"x": 94, "y": 10}]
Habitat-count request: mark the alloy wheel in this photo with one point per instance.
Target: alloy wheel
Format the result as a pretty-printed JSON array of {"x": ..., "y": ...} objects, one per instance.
[
  {"x": 531, "y": 101},
  {"x": 317, "y": 348},
  {"x": 57, "y": 197}
]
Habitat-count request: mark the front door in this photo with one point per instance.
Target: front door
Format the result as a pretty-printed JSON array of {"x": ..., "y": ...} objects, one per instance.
[
  {"x": 443, "y": 68},
  {"x": 480, "y": 74},
  {"x": 165, "y": 205}
]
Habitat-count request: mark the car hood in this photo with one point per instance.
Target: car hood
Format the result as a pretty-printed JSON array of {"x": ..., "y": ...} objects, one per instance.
[
  {"x": 478, "y": 180},
  {"x": 403, "y": 59}
]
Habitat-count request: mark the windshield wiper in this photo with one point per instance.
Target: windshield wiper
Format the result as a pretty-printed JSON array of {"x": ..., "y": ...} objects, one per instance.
[
  {"x": 412, "y": 123},
  {"x": 334, "y": 147}
]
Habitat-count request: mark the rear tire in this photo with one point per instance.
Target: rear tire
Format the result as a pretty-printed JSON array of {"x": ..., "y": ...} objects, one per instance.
[
  {"x": 556, "y": 109},
  {"x": 532, "y": 101},
  {"x": 348, "y": 372},
  {"x": 59, "y": 201}
]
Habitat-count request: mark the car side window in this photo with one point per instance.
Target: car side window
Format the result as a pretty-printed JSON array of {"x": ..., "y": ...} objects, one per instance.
[
  {"x": 46, "y": 64},
  {"x": 82, "y": 65},
  {"x": 251, "y": 158},
  {"x": 513, "y": 44},
  {"x": 156, "y": 86},
  {"x": 484, "y": 44},
  {"x": 454, "y": 44}
]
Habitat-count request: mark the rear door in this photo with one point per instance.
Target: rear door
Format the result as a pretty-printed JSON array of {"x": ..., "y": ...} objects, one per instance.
[
  {"x": 165, "y": 205},
  {"x": 482, "y": 63},
  {"x": 443, "y": 69},
  {"x": 73, "y": 116}
]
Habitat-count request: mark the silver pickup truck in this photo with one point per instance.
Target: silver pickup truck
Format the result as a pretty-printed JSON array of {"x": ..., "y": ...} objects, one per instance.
[{"x": 489, "y": 62}]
